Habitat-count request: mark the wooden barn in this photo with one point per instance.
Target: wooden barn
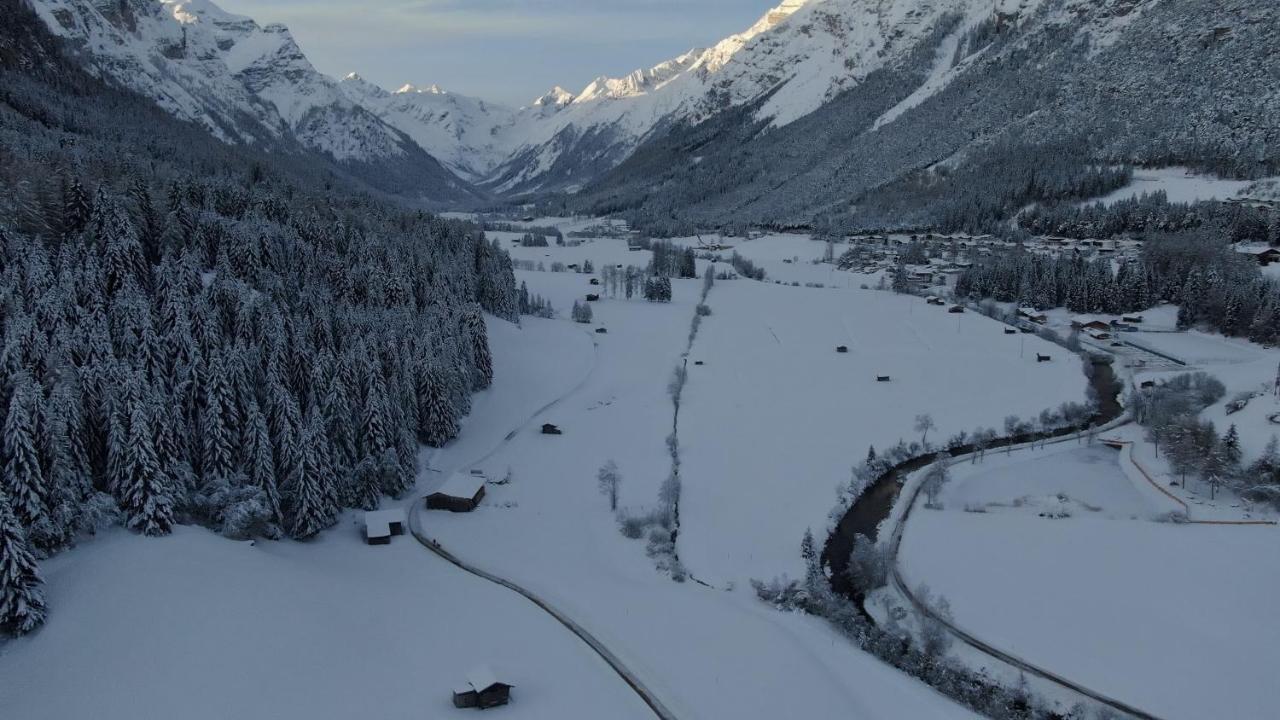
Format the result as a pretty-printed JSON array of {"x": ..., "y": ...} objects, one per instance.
[
  {"x": 549, "y": 429},
  {"x": 462, "y": 492},
  {"x": 380, "y": 525},
  {"x": 482, "y": 690},
  {"x": 842, "y": 348}
]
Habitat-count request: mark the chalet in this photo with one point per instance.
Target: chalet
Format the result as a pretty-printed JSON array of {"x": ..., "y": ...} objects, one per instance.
[
  {"x": 461, "y": 492},
  {"x": 1262, "y": 254},
  {"x": 1033, "y": 315},
  {"x": 1089, "y": 322},
  {"x": 1097, "y": 334},
  {"x": 482, "y": 690},
  {"x": 380, "y": 525},
  {"x": 923, "y": 276},
  {"x": 549, "y": 429}
]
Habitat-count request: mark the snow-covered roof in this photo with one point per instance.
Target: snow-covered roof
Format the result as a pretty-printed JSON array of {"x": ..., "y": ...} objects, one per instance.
[
  {"x": 1087, "y": 319},
  {"x": 1029, "y": 312},
  {"x": 377, "y": 523},
  {"x": 1253, "y": 248},
  {"x": 482, "y": 678},
  {"x": 463, "y": 485}
]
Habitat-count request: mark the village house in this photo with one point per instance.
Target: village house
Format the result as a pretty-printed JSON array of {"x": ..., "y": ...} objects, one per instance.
[
  {"x": 1032, "y": 314},
  {"x": 1262, "y": 254},
  {"x": 1089, "y": 322}
]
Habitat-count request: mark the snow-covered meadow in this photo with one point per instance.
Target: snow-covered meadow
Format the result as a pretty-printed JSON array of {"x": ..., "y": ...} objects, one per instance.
[
  {"x": 1172, "y": 619},
  {"x": 776, "y": 418}
]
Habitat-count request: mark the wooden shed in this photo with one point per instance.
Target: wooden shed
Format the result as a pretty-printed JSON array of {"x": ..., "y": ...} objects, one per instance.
[
  {"x": 842, "y": 348},
  {"x": 482, "y": 690},
  {"x": 380, "y": 525},
  {"x": 462, "y": 492},
  {"x": 549, "y": 429}
]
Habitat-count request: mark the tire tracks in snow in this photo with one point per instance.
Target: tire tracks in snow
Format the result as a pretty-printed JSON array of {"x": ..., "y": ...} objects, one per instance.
[{"x": 630, "y": 678}]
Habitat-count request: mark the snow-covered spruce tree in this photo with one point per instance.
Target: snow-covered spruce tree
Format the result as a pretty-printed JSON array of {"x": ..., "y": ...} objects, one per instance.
[
  {"x": 22, "y": 605},
  {"x": 145, "y": 492},
  {"x": 481, "y": 359},
  {"x": 314, "y": 505},
  {"x": 24, "y": 480},
  {"x": 438, "y": 423}
]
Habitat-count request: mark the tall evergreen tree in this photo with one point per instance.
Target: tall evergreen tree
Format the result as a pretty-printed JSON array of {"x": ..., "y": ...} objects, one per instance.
[{"x": 22, "y": 605}]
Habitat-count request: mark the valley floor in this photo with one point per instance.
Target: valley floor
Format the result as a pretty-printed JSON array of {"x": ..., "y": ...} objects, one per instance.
[{"x": 770, "y": 424}]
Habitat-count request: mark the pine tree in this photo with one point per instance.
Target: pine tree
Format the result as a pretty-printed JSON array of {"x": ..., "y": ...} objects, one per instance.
[
  {"x": 24, "y": 482},
  {"x": 218, "y": 422},
  {"x": 437, "y": 416},
  {"x": 481, "y": 358},
  {"x": 22, "y": 606},
  {"x": 146, "y": 493},
  {"x": 314, "y": 504}
]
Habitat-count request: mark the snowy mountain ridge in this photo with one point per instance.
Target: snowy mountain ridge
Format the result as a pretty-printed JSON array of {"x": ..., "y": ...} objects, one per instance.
[
  {"x": 244, "y": 82},
  {"x": 800, "y": 54}
]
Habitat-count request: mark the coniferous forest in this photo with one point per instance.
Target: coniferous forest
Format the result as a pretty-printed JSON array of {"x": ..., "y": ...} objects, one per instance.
[{"x": 197, "y": 333}]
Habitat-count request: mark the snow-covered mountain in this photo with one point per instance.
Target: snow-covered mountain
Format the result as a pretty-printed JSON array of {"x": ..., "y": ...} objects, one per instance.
[
  {"x": 800, "y": 55},
  {"x": 244, "y": 82},
  {"x": 470, "y": 136}
]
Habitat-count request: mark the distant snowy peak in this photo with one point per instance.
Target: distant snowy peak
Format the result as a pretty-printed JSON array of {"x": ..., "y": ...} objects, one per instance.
[
  {"x": 470, "y": 136},
  {"x": 557, "y": 98}
]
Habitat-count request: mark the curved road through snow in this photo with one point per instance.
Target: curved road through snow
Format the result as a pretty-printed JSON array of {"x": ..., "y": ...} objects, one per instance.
[
  {"x": 415, "y": 528},
  {"x": 972, "y": 641}
]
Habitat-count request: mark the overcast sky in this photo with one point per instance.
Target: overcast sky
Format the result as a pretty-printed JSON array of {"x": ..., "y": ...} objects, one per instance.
[{"x": 509, "y": 51}]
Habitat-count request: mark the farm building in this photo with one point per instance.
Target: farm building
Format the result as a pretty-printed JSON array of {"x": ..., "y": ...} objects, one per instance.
[
  {"x": 380, "y": 525},
  {"x": 1089, "y": 322},
  {"x": 549, "y": 429},
  {"x": 482, "y": 690},
  {"x": 1033, "y": 315},
  {"x": 462, "y": 492},
  {"x": 1262, "y": 254}
]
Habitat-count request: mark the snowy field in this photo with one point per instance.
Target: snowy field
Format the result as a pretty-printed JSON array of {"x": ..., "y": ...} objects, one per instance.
[
  {"x": 1171, "y": 618},
  {"x": 335, "y": 629},
  {"x": 776, "y": 418},
  {"x": 1179, "y": 184},
  {"x": 196, "y": 626}
]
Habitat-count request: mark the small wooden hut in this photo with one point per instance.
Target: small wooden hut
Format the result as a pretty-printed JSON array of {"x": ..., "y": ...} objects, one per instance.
[
  {"x": 380, "y": 525},
  {"x": 549, "y": 429},
  {"x": 482, "y": 690},
  {"x": 462, "y": 492}
]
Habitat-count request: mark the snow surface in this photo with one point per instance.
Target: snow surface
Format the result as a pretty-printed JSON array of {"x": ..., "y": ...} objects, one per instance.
[
  {"x": 776, "y": 418},
  {"x": 141, "y": 626},
  {"x": 1147, "y": 612},
  {"x": 1179, "y": 184}
]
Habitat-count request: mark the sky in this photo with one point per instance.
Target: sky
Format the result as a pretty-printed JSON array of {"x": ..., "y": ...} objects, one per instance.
[{"x": 508, "y": 51}]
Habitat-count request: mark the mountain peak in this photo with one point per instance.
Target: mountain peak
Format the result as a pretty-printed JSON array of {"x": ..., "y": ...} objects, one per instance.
[
  {"x": 556, "y": 97},
  {"x": 431, "y": 89}
]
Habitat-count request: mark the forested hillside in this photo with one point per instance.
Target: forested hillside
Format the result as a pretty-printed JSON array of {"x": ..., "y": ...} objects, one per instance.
[
  {"x": 192, "y": 333},
  {"x": 1035, "y": 108}
]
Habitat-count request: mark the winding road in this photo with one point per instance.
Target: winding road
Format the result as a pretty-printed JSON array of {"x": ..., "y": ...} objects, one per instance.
[
  {"x": 415, "y": 528},
  {"x": 895, "y": 577}
]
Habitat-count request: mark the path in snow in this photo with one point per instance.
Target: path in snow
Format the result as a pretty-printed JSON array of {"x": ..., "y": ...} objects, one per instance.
[{"x": 415, "y": 508}]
